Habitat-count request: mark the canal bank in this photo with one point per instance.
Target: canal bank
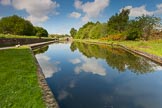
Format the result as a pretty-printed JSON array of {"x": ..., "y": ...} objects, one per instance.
[
  {"x": 48, "y": 96},
  {"x": 22, "y": 56},
  {"x": 155, "y": 58}
]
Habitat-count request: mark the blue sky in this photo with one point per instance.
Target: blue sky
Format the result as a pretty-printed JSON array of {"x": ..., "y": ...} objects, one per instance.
[{"x": 59, "y": 16}]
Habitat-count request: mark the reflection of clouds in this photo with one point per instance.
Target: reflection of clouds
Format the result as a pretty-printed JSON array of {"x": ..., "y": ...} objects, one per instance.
[
  {"x": 158, "y": 68},
  {"x": 75, "y": 61},
  {"x": 63, "y": 94},
  {"x": 155, "y": 66},
  {"x": 72, "y": 84},
  {"x": 48, "y": 68},
  {"x": 90, "y": 65}
]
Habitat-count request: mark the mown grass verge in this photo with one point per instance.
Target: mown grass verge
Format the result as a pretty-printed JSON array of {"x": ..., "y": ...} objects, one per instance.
[
  {"x": 18, "y": 36},
  {"x": 19, "y": 86},
  {"x": 151, "y": 47}
]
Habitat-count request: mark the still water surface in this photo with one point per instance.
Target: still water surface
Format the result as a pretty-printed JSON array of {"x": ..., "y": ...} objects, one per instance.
[{"x": 98, "y": 76}]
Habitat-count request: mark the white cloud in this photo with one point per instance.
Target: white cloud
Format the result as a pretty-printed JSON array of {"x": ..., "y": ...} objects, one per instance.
[
  {"x": 91, "y": 9},
  {"x": 159, "y": 9},
  {"x": 5, "y": 2},
  {"x": 63, "y": 95},
  {"x": 72, "y": 84},
  {"x": 75, "y": 15},
  {"x": 48, "y": 68},
  {"x": 78, "y": 4},
  {"x": 90, "y": 66},
  {"x": 139, "y": 11},
  {"x": 38, "y": 10},
  {"x": 75, "y": 61},
  {"x": 159, "y": 6}
]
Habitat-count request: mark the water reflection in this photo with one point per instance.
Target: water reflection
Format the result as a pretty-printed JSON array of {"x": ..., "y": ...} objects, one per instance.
[
  {"x": 41, "y": 50},
  {"x": 48, "y": 68},
  {"x": 88, "y": 65},
  {"x": 115, "y": 57},
  {"x": 96, "y": 76}
]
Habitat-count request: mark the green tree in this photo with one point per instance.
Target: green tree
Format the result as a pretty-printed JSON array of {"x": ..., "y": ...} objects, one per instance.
[
  {"x": 73, "y": 32},
  {"x": 134, "y": 31},
  {"x": 83, "y": 32},
  {"x": 118, "y": 22},
  {"x": 97, "y": 31},
  {"x": 41, "y": 32},
  {"x": 16, "y": 25},
  {"x": 147, "y": 24}
]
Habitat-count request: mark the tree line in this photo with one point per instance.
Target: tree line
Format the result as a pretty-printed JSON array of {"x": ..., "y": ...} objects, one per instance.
[
  {"x": 119, "y": 27},
  {"x": 19, "y": 26}
]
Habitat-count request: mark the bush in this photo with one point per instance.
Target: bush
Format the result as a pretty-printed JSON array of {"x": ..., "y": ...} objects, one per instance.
[
  {"x": 133, "y": 35},
  {"x": 41, "y": 32},
  {"x": 113, "y": 37}
]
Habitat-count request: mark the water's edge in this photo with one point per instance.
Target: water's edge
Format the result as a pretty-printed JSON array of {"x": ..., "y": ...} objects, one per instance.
[
  {"x": 48, "y": 96},
  {"x": 152, "y": 57}
]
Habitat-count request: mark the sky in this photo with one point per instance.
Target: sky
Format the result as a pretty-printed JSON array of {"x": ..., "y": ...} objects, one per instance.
[{"x": 59, "y": 16}]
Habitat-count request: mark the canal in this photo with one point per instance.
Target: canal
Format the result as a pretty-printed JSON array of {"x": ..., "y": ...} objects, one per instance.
[{"x": 85, "y": 75}]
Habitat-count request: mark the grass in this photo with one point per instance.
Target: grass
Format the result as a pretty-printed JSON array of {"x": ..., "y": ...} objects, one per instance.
[
  {"x": 18, "y": 36},
  {"x": 151, "y": 47},
  {"x": 19, "y": 86}
]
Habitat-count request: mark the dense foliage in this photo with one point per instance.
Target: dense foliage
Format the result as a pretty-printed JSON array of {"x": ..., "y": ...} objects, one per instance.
[
  {"x": 118, "y": 27},
  {"x": 73, "y": 32},
  {"x": 41, "y": 32},
  {"x": 18, "y": 26}
]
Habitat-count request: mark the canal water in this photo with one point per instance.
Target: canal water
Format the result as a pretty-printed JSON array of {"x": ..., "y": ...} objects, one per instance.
[{"x": 98, "y": 76}]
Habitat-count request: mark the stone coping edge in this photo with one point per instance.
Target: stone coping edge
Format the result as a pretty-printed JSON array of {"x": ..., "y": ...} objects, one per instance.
[{"x": 48, "y": 96}]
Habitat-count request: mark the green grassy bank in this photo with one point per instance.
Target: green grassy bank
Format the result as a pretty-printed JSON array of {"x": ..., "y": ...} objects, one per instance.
[
  {"x": 19, "y": 86},
  {"x": 19, "y": 36},
  {"x": 151, "y": 47}
]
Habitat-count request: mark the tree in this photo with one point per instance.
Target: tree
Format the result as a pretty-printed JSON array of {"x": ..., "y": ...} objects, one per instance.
[
  {"x": 134, "y": 31},
  {"x": 16, "y": 25},
  {"x": 73, "y": 32},
  {"x": 83, "y": 32},
  {"x": 147, "y": 24},
  {"x": 41, "y": 32},
  {"x": 118, "y": 22}
]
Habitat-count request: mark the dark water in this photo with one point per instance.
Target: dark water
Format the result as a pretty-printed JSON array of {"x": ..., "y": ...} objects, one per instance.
[{"x": 99, "y": 76}]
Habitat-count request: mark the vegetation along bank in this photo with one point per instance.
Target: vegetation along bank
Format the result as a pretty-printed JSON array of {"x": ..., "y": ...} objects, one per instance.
[{"x": 19, "y": 80}]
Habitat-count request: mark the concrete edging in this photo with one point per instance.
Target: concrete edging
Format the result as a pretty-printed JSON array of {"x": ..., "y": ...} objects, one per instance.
[{"x": 48, "y": 96}]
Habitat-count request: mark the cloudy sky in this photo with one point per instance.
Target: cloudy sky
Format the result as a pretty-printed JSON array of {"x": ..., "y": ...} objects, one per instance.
[{"x": 59, "y": 16}]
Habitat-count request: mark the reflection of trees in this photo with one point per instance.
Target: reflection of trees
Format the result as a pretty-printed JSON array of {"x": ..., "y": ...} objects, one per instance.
[
  {"x": 40, "y": 50},
  {"x": 73, "y": 47},
  {"x": 115, "y": 57}
]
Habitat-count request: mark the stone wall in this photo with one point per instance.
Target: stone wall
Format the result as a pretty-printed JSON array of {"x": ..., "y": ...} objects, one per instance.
[{"x": 21, "y": 41}]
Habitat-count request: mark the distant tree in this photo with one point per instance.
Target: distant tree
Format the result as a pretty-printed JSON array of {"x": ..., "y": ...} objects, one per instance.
[
  {"x": 73, "y": 32},
  {"x": 96, "y": 31},
  {"x": 16, "y": 25},
  {"x": 83, "y": 32},
  {"x": 41, "y": 32}
]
